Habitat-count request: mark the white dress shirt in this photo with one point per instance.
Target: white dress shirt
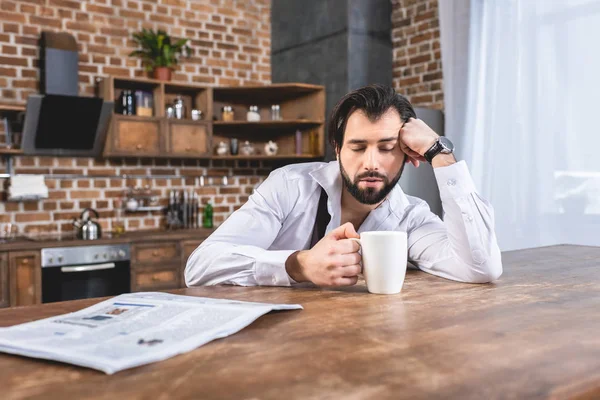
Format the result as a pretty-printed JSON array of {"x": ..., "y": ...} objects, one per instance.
[{"x": 252, "y": 245}]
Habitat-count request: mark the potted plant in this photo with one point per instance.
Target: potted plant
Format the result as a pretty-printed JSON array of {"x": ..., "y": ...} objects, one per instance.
[{"x": 159, "y": 53}]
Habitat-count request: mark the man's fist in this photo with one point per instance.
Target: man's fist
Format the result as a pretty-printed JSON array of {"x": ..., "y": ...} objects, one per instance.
[
  {"x": 416, "y": 137},
  {"x": 333, "y": 261}
]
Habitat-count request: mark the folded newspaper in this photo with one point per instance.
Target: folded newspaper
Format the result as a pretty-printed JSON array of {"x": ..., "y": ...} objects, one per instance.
[{"x": 132, "y": 329}]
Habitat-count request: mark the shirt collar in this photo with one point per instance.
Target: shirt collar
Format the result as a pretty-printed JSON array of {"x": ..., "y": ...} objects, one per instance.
[{"x": 329, "y": 177}]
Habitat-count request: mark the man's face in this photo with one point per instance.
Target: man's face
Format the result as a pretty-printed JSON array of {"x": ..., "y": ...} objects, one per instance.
[{"x": 370, "y": 158}]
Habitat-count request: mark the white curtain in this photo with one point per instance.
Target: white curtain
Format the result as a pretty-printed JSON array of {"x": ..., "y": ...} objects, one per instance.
[{"x": 521, "y": 90}]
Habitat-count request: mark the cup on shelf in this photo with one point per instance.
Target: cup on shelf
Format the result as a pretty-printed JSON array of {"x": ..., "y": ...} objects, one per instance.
[
  {"x": 170, "y": 112},
  {"x": 196, "y": 115},
  {"x": 8, "y": 231},
  {"x": 234, "y": 146}
]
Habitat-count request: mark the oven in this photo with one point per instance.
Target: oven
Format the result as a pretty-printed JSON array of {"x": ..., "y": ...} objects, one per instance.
[{"x": 81, "y": 272}]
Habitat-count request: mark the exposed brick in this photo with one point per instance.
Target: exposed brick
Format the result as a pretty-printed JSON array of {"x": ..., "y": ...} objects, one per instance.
[
  {"x": 13, "y": 61},
  {"x": 75, "y": 5},
  {"x": 81, "y": 26},
  {"x": 100, "y": 49},
  {"x": 7, "y": 16},
  {"x": 99, "y": 9},
  {"x": 32, "y": 217},
  {"x": 45, "y": 22},
  {"x": 85, "y": 194},
  {"x": 10, "y": 72}
]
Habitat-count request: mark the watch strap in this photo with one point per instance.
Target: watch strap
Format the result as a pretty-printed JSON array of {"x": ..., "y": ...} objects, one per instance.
[{"x": 433, "y": 151}]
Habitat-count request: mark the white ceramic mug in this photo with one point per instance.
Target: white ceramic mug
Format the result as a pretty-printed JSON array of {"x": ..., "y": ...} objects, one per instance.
[{"x": 384, "y": 257}]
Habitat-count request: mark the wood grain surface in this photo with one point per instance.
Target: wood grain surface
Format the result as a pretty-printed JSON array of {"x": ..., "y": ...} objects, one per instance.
[{"x": 535, "y": 333}]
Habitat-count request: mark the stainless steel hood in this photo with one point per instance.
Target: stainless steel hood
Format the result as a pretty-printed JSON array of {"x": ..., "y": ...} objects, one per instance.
[{"x": 59, "y": 122}]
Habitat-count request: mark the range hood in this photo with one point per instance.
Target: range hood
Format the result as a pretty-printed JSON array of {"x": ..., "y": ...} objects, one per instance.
[{"x": 58, "y": 122}]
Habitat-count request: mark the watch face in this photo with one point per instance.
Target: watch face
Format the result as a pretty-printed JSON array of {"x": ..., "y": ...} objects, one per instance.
[{"x": 447, "y": 145}]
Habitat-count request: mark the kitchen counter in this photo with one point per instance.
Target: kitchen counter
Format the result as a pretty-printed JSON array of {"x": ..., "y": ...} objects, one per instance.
[{"x": 128, "y": 237}]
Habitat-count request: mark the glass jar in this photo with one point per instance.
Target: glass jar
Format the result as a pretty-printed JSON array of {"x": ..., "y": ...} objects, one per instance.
[
  {"x": 253, "y": 115},
  {"x": 143, "y": 104},
  {"x": 275, "y": 112},
  {"x": 227, "y": 113}
]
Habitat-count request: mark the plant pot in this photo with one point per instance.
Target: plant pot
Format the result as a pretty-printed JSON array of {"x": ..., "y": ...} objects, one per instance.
[{"x": 162, "y": 73}]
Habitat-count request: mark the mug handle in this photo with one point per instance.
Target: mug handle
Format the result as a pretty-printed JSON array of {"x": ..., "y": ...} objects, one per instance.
[{"x": 360, "y": 250}]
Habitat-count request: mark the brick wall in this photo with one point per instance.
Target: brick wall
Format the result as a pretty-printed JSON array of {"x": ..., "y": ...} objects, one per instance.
[
  {"x": 417, "y": 54},
  {"x": 231, "y": 42}
]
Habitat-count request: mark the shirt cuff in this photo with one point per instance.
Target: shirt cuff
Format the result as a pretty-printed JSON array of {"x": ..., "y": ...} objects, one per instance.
[
  {"x": 270, "y": 268},
  {"x": 454, "y": 181}
]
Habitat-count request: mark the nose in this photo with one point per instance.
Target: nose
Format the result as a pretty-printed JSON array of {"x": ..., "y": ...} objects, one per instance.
[{"x": 371, "y": 162}]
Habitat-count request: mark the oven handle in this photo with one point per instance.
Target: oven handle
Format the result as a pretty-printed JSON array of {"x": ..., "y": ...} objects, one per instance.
[{"x": 85, "y": 268}]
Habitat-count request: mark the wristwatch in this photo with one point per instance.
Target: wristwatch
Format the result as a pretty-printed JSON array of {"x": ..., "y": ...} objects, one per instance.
[{"x": 442, "y": 145}]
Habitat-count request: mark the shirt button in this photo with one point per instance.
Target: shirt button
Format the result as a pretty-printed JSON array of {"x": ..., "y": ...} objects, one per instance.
[
  {"x": 451, "y": 182},
  {"x": 469, "y": 218}
]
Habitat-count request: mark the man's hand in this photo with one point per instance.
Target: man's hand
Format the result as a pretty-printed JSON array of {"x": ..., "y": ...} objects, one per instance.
[
  {"x": 333, "y": 261},
  {"x": 415, "y": 139}
]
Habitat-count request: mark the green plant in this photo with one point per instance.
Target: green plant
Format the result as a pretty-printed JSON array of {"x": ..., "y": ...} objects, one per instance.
[{"x": 158, "y": 50}]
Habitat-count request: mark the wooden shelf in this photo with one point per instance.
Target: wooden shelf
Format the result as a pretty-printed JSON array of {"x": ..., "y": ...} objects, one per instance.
[
  {"x": 159, "y": 119},
  {"x": 266, "y": 94},
  {"x": 145, "y": 209},
  {"x": 6, "y": 151},
  {"x": 264, "y": 157},
  {"x": 289, "y": 124},
  {"x": 11, "y": 108},
  {"x": 302, "y": 107},
  {"x": 135, "y": 118}
]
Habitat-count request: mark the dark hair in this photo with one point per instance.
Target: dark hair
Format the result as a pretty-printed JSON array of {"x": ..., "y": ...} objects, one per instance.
[{"x": 374, "y": 100}]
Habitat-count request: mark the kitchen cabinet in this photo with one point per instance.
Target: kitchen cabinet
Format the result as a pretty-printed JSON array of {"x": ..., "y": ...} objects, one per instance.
[
  {"x": 155, "y": 266},
  {"x": 25, "y": 278},
  {"x": 152, "y": 253},
  {"x": 155, "y": 278},
  {"x": 4, "y": 286},
  {"x": 188, "y": 138},
  {"x": 135, "y": 136}
]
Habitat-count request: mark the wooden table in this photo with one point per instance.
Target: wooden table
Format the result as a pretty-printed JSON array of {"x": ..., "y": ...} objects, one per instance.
[{"x": 533, "y": 334}]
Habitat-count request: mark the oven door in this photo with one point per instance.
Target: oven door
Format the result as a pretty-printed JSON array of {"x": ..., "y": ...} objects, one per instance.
[{"x": 72, "y": 282}]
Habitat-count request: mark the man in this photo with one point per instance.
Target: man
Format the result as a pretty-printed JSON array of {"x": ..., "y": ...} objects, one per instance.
[{"x": 374, "y": 131}]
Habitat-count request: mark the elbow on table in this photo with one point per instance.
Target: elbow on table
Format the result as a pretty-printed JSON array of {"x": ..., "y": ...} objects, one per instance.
[
  {"x": 487, "y": 270},
  {"x": 195, "y": 270}
]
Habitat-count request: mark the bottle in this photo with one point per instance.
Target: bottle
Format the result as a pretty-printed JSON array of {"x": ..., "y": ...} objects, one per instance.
[
  {"x": 179, "y": 107},
  {"x": 275, "y": 112},
  {"x": 298, "y": 142},
  {"x": 207, "y": 217},
  {"x": 130, "y": 100}
]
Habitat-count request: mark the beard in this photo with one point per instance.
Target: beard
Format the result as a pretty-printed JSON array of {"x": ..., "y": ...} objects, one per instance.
[{"x": 369, "y": 195}]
